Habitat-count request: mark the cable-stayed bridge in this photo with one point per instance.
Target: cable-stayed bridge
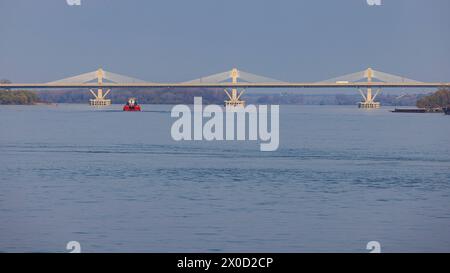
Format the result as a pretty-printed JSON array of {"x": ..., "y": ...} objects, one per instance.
[{"x": 233, "y": 82}]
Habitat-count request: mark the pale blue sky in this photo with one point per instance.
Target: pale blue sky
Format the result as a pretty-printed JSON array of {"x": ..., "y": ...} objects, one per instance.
[{"x": 168, "y": 40}]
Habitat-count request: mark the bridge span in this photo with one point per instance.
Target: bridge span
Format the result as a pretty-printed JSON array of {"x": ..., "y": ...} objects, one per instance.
[{"x": 233, "y": 82}]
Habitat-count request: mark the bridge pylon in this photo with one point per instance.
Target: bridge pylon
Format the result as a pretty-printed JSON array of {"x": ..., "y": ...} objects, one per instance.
[
  {"x": 234, "y": 99},
  {"x": 100, "y": 97},
  {"x": 369, "y": 99}
]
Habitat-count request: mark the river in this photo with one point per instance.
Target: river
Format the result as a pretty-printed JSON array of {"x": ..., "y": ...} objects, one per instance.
[{"x": 117, "y": 182}]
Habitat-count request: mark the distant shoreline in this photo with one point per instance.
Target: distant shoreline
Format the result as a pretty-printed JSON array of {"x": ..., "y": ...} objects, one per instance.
[{"x": 215, "y": 97}]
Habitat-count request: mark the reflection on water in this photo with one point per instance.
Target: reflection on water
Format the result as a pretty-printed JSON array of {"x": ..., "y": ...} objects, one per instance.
[{"x": 116, "y": 181}]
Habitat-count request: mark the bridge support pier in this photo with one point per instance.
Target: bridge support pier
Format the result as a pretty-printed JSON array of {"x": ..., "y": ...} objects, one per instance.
[
  {"x": 369, "y": 105},
  {"x": 235, "y": 96},
  {"x": 369, "y": 100},
  {"x": 100, "y": 98}
]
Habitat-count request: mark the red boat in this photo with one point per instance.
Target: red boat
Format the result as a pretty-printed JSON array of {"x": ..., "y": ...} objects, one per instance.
[{"x": 132, "y": 105}]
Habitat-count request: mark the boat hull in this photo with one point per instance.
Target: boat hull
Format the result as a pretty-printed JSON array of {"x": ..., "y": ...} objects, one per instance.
[
  {"x": 135, "y": 108},
  {"x": 411, "y": 110}
]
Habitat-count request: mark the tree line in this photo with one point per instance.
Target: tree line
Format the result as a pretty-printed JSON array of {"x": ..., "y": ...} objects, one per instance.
[
  {"x": 439, "y": 99},
  {"x": 216, "y": 96},
  {"x": 18, "y": 97}
]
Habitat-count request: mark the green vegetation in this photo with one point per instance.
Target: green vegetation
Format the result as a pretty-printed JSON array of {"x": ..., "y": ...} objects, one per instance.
[
  {"x": 439, "y": 99},
  {"x": 18, "y": 97},
  {"x": 214, "y": 96}
]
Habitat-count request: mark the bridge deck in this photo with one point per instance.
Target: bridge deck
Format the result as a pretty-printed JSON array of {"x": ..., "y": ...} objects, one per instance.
[{"x": 222, "y": 85}]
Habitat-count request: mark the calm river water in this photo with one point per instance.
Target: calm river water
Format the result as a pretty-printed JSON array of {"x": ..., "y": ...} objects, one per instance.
[{"x": 116, "y": 181}]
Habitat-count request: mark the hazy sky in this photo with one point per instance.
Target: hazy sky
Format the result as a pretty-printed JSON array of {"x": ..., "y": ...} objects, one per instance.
[{"x": 168, "y": 40}]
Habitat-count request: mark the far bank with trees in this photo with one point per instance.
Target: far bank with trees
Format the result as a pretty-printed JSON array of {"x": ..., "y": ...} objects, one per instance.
[{"x": 438, "y": 100}]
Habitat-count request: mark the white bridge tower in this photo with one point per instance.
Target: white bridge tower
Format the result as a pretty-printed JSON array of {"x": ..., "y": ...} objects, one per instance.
[
  {"x": 100, "y": 98},
  {"x": 369, "y": 100},
  {"x": 235, "y": 96}
]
